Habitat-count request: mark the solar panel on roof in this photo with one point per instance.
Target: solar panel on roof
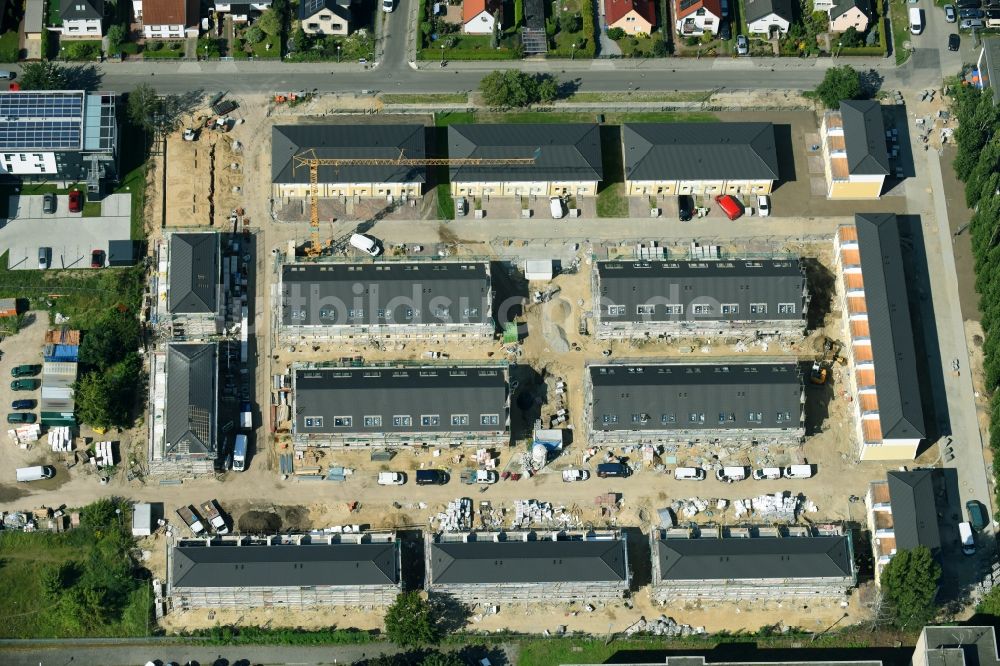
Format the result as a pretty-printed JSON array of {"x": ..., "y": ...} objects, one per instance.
[{"x": 41, "y": 120}]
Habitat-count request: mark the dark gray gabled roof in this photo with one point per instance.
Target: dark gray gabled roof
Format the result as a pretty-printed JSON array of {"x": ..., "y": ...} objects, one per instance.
[
  {"x": 755, "y": 558},
  {"x": 700, "y": 151},
  {"x": 79, "y": 10},
  {"x": 347, "y": 141},
  {"x": 841, "y": 6},
  {"x": 191, "y": 398},
  {"x": 696, "y": 396},
  {"x": 960, "y": 646},
  {"x": 476, "y": 392},
  {"x": 656, "y": 284},
  {"x": 758, "y": 9},
  {"x": 528, "y": 562},
  {"x": 309, "y": 8},
  {"x": 890, "y": 327},
  {"x": 400, "y": 293},
  {"x": 570, "y": 152},
  {"x": 347, "y": 564},
  {"x": 864, "y": 137},
  {"x": 193, "y": 273},
  {"x": 914, "y": 511}
]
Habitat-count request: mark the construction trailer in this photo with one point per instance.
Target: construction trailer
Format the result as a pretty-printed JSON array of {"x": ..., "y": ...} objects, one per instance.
[
  {"x": 399, "y": 404},
  {"x": 358, "y": 569},
  {"x": 527, "y": 567},
  {"x": 642, "y": 299},
  {"x": 422, "y": 300},
  {"x": 750, "y": 563},
  {"x": 188, "y": 286},
  {"x": 687, "y": 403}
]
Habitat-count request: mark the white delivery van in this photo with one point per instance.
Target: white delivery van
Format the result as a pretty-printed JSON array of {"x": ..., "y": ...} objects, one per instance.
[
  {"x": 556, "y": 208},
  {"x": 730, "y": 474},
  {"x": 798, "y": 472},
  {"x": 966, "y": 539},
  {"x": 366, "y": 244},
  {"x": 689, "y": 474},
  {"x": 36, "y": 473},
  {"x": 240, "y": 453},
  {"x": 767, "y": 473},
  {"x": 916, "y": 20}
]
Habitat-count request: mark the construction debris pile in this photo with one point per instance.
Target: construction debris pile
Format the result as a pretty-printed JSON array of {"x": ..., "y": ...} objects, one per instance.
[
  {"x": 25, "y": 435},
  {"x": 456, "y": 517},
  {"x": 692, "y": 506},
  {"x": 60, "y": 439},
  {"x": 777, "y": 506},
  {"x": 532, "y": 512},
  {"x": 663, "y": 626}
]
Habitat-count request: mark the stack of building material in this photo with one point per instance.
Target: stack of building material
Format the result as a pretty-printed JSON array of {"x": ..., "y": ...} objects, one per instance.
[
  {"x": 772, "y": 507},
  {"x": 104, "y": 455},
  {"x": 457, "y": 516},
  {"x": 663, "y": 626},
  {"x": 60, "y": 439},
  {"x": 24, "y": 435}
]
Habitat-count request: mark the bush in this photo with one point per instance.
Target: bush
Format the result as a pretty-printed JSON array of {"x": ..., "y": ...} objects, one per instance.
[
  {"x": 82, "y": 51},
  {"x": 116, "y": 35},
  {"x": 615, "y": 33},
  {"x": 255, "y": 35},
  {"x": 175, "y": 46},
  {"x": 570, "y": 22},
  {"x": 154, "y": 45},
  {"x": 851, "y": 38},
  {"x": 660, "y": 48},
  {"x": 130, "y": 48},
  {"x": 691, "y": 41}
]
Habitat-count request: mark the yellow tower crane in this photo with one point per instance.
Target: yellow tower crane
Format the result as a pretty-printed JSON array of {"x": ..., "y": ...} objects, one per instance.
[{"x": 309, "y": 160}]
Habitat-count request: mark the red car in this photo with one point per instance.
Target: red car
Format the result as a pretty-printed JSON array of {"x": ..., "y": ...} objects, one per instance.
[
  {"x": 97, "y": 259},
  {"x": 75, "y": 201},
  {"x": 730, "y": 205}
]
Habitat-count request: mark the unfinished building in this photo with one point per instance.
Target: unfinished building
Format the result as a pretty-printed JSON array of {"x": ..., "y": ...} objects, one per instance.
[
  {"x": 642, "y": 299},
  {"x": 188, "y": 287},
  {"x": 400, "y": 404},
  {"x": 730, "y": 403},
  {"x": 902, "y": 514},
  {"x": 734, "y": 564},
  {"x": 527, "y": 566},
  {"x": 956, "y": 646},
  {"x": 183, "y": 407},
  {"x": 882, "y": 358},
  {"x": 405, "y": 300},
  {"x": 289, "y": 570}
]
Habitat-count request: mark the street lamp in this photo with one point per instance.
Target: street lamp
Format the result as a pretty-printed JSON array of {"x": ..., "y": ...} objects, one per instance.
[
  {"x": 119, "y": 512},
  {"x": 840, "y": 46},
  {"x": 442, "y": 55},
  {"x": 338, "y": 54},
  {"x": 572, "y": 55}
]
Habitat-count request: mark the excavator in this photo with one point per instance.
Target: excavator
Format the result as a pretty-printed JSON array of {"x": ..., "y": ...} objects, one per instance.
[{"x": 824, "y": 362}]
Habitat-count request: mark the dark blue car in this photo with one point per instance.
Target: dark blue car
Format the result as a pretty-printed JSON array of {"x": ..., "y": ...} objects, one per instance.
[{"x": 22, "y": 404}]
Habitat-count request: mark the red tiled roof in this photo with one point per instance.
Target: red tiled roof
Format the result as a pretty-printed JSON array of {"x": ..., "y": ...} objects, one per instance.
[
  {"x": 614, "y": 10},
  {"x": 684, "y": 8},
  {"x": 473, "y": 8},
  {"x": 170, "y": 12}
]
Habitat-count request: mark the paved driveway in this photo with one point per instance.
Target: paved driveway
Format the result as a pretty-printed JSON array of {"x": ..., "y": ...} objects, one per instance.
[{"x": 71, "y": 236}]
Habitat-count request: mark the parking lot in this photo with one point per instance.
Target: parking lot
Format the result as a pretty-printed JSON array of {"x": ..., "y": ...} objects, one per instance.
[{"x": 71, "y": 236}]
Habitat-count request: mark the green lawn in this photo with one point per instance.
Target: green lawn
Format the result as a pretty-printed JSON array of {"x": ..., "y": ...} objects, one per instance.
[
  {"x": 446, "y": 205},
  {"x": 521, "y": 117},
  {"x": 44, "y": 188},
  {"x": 642, "y": 96},
  {"x": 426, "y": 98},
  {"x": 465, "y": 47},
  {"x": 92, "y": 209},
  {"x": 166, "y": 52},
  {"x": 80, "y": 50},
  {"x": 900, "y": 29},
  {"x": 638, "y": 47},
  {"x": 9, "y": 51}
]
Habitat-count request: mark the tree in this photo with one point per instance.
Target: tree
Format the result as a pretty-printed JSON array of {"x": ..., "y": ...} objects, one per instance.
[
  {"x": 108, "y": 342},
  {"x": 838, "y": 84},
  {"x": 910, "y": 583},
  {"x": 514, "y": 88},
  {"x": 851, "y": 38},
  {"x": 300, "y": 40},
  {"x": 144, "y": 105},
  {"x": 409, "y": 621},
  {"x": 615, "y": 33},
  {"x": 104, "y": 399},
  {"x": 270, "y": 23},
  {"x": 495, "y": 35},
  {"x": 436, "y": 658},
  {"x": 548, "y": 88},
  {"x": 45, "y": 75},
  {"x": 116, "y": 35},
  {"x": 570, "y": 22},
  {"x": 255, "y": 35}
]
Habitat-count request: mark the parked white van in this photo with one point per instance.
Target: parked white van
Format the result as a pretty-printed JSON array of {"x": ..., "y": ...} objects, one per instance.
[
  {"x": 798, "y": 472},
  {"x": 767, "y": 473},
  {"x": 689, "y": 474},
  {"x": 556, "y": 208},
  {"x": 365, "y": 244},
  {"x": 36, "y": 473},
  {"x": 730, "y": 474},
  {"x": 966, "y": 539},
  {"x": 916, "y": 20},
  {"x": 240, "y": 453}
]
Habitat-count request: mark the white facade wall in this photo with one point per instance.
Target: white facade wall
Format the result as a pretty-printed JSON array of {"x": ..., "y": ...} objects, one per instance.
[
  {"x": 763, "y": 25},
  {"x": 82, "y": 28},
  {"x": 24, "y": 164}
]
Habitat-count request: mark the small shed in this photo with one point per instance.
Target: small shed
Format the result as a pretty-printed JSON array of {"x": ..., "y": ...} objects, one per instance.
[
  {"x": 539, "y": 269},
  {"x": 8, "y": 307},
  {"x": 121, "y": 253},
  {"x": 142, "y": 519}
]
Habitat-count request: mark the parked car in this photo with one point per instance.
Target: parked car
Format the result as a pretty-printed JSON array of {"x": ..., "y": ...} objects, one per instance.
[
  {"x": 25, "y": 385},
  {"x": 685, "y": 207},
  {"x": 431, "y": 477},
  {"x": 763, "y": 205},
  {"x": 977, "y": 514},
  {"x": 950, "y": 15},
  {"x": 689, "y": 474},
  {"x": 570, "y": 475},
  {"x": 7, "y": 74},
  {"x": 36, "y": 473},
  {"x": 971, "y": 13},
  {"x": 44, "y": 258},
  {"x": 966, "y": 539},
  {"x": 486, "y": 477},
  {"x": 969, "y": 4},
  {"x": 23, "y": 404},
  {"x": 75, "y": 201},
  {"x": 49, "y": 203},
  {"x": 725, "y": 32},
  {"x": 954, "y": 41},
  {"x": 730, "y": 205},
  {"x": 767, "y": 473},
  {"x": 387, "y": 6},
  {"x": 730, "y": 474},
  {"x": 21, "y": 417},
  {"x": 604, "y": 470},
  {"x": 26, "y": 370},
  {"x": 366, "y": 244},
  {"x": 391, "y": 478},
  {"x": 798, "y": 472},
  {"x": 971, "y": 24},
  {"x": 556, "y": 208},
  {"x": 97, "y": 259},
  {"x": 742, "y": 45}
]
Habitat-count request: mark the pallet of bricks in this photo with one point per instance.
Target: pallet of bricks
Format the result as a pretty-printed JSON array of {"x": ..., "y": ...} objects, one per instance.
[
  {"x": 60, "y": 439},
  {"x": 104, "y": 455}
]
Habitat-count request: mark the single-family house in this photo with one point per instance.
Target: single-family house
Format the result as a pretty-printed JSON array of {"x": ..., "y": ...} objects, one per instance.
[
  {"x": 81, "y": 18},
  {"x": 325, "y": 17},
  {"x": 855, "y": 160},
  {"x": 567, "y": 160},
  {"x": 767, "y": 16},
  {"x": 241, "y": 12},
  {"x": 168, "y": 19},
  {"x": 482, "y": 17},
  {"x": 697, "y": 17},
  {"x": 635, "y": 17},
  {"x": 699, "y": 158},
  {"x": 846, "y": 14}
]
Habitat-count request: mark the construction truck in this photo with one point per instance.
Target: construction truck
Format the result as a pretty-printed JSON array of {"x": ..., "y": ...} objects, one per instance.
[
  {"x": 191, "y": 519},
  {"x": 214, "y": 515}
]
